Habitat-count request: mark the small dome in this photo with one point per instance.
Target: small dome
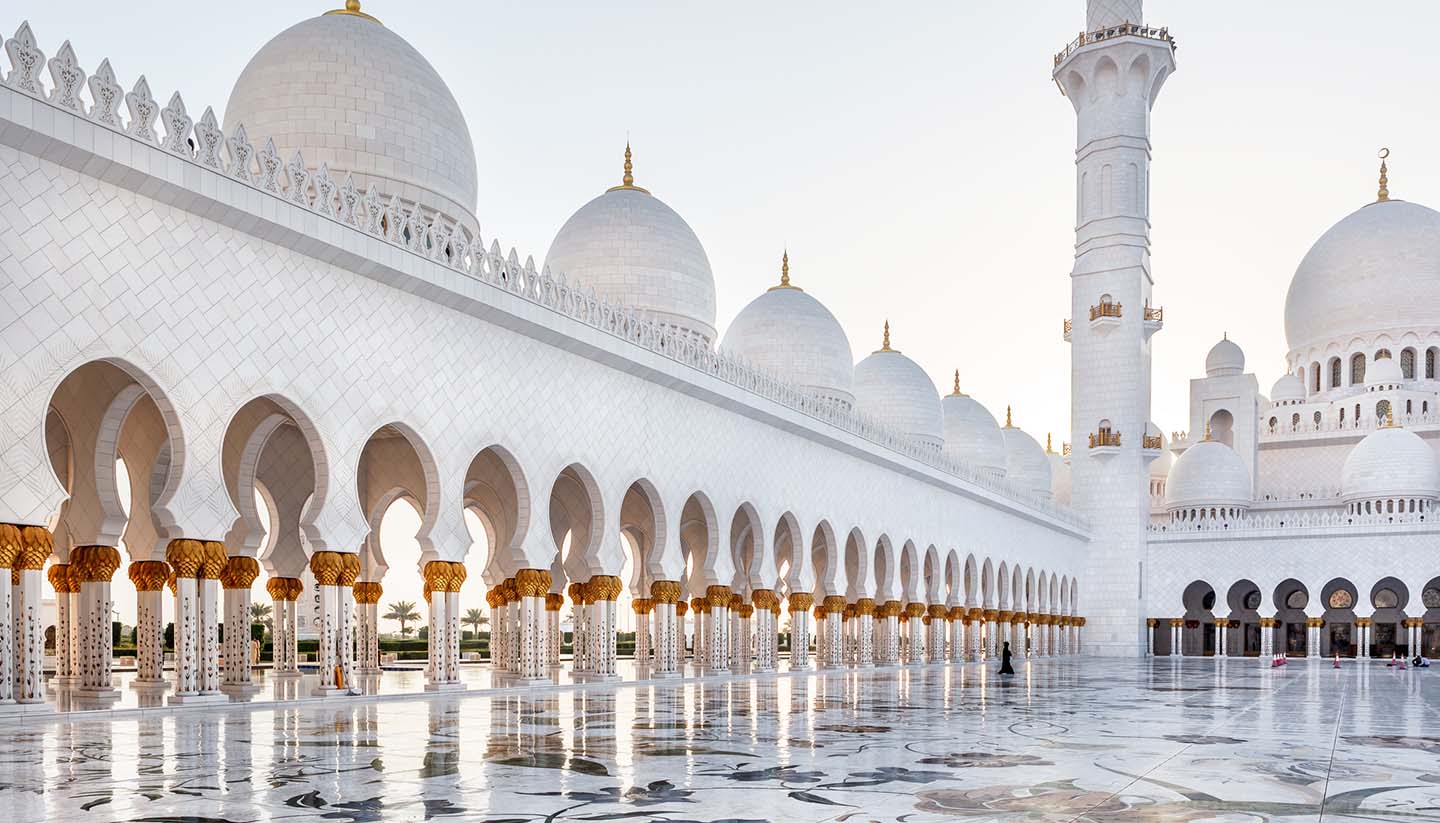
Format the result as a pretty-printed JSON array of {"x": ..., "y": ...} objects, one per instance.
[
  {"x": 1059, "y": 476},
  {"x": 1026, "y": 465},
  {"x": 630, "y": 247},
  {"x": 1224, "y": 360},
  {"x": 1390, "y": 462},
  {"x": 1376, "y": 270},
  {"x": 1288, "y": 389},
  {"x": 793, "y": 335},
  {"x": 893, "y": 389},
  {"x": 348, "y": 92},
  {"x": 971, "y": 433},
  {"x": 1209, "y": 473},
  {"x": 1384, "y": 371},
  {"x": 1160, "y": 466}
]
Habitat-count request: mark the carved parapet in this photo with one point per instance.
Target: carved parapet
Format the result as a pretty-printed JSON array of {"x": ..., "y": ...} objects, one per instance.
[
  {"x": 94, "y": 564},
  {"x": 326, "y": 567},
  {"x": 532, "y": 582},
  {"x": 801, "y": 602},
  {"x": 149, "y": 575},
  {"x": 185, "y": 557},
  {"x": 553, "y": 601},
  {"x": 239, "y": 573},
  {"x": 833, "y": 604},
  {"x": 718, "y": 597},
  {"x": 665, "y": 591}
]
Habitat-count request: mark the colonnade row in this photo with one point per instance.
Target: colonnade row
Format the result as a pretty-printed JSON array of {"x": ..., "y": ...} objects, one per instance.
[
  {"x": 729, "y": 631},
  {"x": 1305, "y": 637}
]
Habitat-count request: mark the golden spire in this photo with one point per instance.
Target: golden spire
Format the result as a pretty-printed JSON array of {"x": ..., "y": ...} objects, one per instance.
[
  {"x": 957, "y": 392},
  {"x": 1048, "y": 448},
  {"x": 352, "y": 8},
  {"x": 1207, "y": 431},
  {"x": 885, "y": 342},
  {"x": 1384, "y": 193},
  {"x": 1008, "y": 424},
  {"x": 785, "y": 274},
  {"x": 627, "y": 180}
]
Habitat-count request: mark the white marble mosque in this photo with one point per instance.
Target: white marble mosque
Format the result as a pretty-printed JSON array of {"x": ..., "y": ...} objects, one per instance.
[{"x": 825, "y": 557}]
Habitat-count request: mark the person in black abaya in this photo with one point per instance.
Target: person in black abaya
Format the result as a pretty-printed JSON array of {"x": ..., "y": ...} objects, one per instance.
[{"x": 1005, "y": 660}]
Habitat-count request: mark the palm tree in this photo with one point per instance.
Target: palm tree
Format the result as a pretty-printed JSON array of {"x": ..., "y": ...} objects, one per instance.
[
  {"x": 260, "y": 613},
  {"x": 475, "y": 618},
  {"x": 402, "y": 611}
]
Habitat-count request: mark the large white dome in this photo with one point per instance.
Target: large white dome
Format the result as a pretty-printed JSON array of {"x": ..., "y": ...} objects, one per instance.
[
  {"x": 350, "y": 93},
  {"x": 1026, "y": 465},
  {"x": 1225, "y": 359},
  {"x": 893, "y": 389},
  {"x": 1390, "y": 462},
  {"x": 1209, "y": 473},
  {"x": 971, "y": 433},
  {"x": 1376, "y": 270},
  {"x": 630, "y": 247},
  {"x": 793, "y": 335}
]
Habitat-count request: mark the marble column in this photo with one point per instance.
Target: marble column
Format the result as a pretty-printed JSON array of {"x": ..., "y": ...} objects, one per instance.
[
  {"x": 10, "y": 548},
  {"x": 239, "y": 574},
  {"x": 149, "y": 577},
  {"x": 993, "y": 630},
  {"x": 91, "y": 567},
  {"x": 681, "y": 607},
  {"x": 66, "y": 664},
  {"x": 975, "y": 635},
  {"x": 664, "y": 594},
  {"x": 1150, "y": 624},
  {"x": 207, "y": 626},
  {"x": 31, "y": 548},
  {"x": 1267, "y": 637},
  {"x": 186, "y": 558},
  {"x": 1177, "y": 636},
  {"x": 554, "y": 602},
  {"x": 800, "y": 604},
  {"x": 736, "y": 645},
  {"x": 605, "y": 590},
  {"x": 1362, "y": 628},
  {"x": 327, "y": 566},
  {"x": 1000, "y": 629},
  {"x": 865, "y": 632},
  {"x": 915, "y": 628},
  {"x": 644, "y": 651},
  {"x": 888, "y": 640},
  {"x": 935, "y": 637},
  {"x": 532, "y": 587},
  {"x": 437, "y": 583},
  {"x": 834, "y": 606},
  {"x": 345, "y": 620},
  {"x": 284, "y": 637},
  {"x": 742, "y": 639},
  {"x": 955, "y": 625},
  {"x": 766, "y": 604},
  {"x": 717, "y": 637},
  {"x": 579, "y": 636},
  {"x": 453, "y": 583},
  {"x": 367, "y": 633}
]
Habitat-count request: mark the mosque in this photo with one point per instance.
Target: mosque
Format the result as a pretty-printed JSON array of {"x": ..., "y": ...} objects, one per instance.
[{"x": 228, "y": 347}]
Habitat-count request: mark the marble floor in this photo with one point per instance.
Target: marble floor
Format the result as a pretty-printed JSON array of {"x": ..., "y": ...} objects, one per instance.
[{"x": 1077, "y": 739}]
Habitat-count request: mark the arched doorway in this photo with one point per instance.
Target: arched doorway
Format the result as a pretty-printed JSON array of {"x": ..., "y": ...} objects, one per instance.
[
  {"x": 1198, "y": 639},
  {"x": 1387, "y": 634},
  {"x": 1430, "y": 631},
  {"x": 1291, "y": 600},
  {"x": 1339, "y": 635},
  {"x": 1243, "y": 638}
]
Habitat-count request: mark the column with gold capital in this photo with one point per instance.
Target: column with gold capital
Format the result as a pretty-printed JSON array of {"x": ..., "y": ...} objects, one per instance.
[
  {"x": 736, "y": 649},
  {"x": 800, "y": 604},
  {"x": 935, "y": 638},
  {"x": 149, "y": 577},
  {"x": 974, "y": 635},
  {"x": 701, "y": 609},
  {"x": 579, "y": 637},
  {"x": 33, "y": 546},
  {"x": 915, "y": 623},
  {"x": 208, "y": 626},
  {"x": 185, "y": 558},
  {"x": 367, "y": 640},
  {"x": 91, "y": 568},
  {"x": 345, "y": 620},
  {"x": 865, "y": 631},
  {"x": 554, "y": 602},
  {"x": 437, "y": 581},
  {"x": 766, "y": 605},
  {"x": 664, "y": 594},
  {"x": 604, "y": 589},
  {"x": 511, "y": 599},
  {"x": 834, "y": 606},
  {"x": 680, "y": 608},
  {"x": 9, "y": 550},
  {"x": 887, "y": 632},
  {"x": 284, "y": 637},
  {"x": 532, "y": 586},
  {"x": 717, "y": 628},
  {"x": 326, "y": 567},
  {"x": 236, "y": 579},
  {"x": 66, "y": 636},
  {"x": 644, "y": 651},
  {"x": 955, "y": 627}
]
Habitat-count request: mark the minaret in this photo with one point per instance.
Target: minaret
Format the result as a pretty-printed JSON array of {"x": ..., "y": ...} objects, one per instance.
[{"x": 1112, "y": 74}]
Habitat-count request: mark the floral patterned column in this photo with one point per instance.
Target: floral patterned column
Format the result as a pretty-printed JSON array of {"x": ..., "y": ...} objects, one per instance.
[
  {"x": 284, "y": 638},
  {"x": 822, "y": 634},
  {"x": 554, "y": 601},
  {"x": 701, "y": 607},
  {"x": 532, "y": 586},
  {"x": 1362, "y": 628},
  {"x": 511, "y": 593},
  {"x": 737, "y": 647},
  {"x": 34, "y": 547},
  {"x": 10, "y": 547},
  {"x": 890, "y": 612},
  {"x": 834, "y": 606},
  {"x": 767, "y": 605},
  {"x": 208, "y": 622},
  {"x": 681, "y": 607},
  {"x": 326, "y": 567},
  {"x": 644, "y": 652},
  {"x": 915, "y": 617},
  {"x": 149, "y": 577},
  {"x": 345, "y": 620},
  {"x": 935, "y": 638},
  {"x": 975, "y": 635},
  {"x": 664, "y": 594},
  {"x": 579, "y": 636},
  {"x": 238, "y": 576},
  {"x": 437, "y": 579},
  {"x": 66, "y": 664},
  {"x": 800, "y": 604},
  {"x": 865, "y": 632},
  {"x": 92, "y": 568},
  {"x": 602, "y": 590},
  {"x": 186, "y": 558},
  {"x": 955, "y": 620}
]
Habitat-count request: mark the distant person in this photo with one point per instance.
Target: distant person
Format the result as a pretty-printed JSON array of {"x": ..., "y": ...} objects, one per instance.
[
  {"x": 1005, "y": 667},
  {"x": 1421, "y": 662}
]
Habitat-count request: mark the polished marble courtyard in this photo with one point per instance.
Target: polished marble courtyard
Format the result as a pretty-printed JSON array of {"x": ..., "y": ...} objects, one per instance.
[{"x": 1068, "y": 739}]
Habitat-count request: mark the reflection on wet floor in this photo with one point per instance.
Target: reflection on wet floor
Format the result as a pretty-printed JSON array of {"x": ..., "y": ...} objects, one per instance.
[{"x": 1162, "y": 740}]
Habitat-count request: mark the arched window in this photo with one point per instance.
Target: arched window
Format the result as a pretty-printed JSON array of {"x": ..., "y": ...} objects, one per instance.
[
  {"x": 1314, "y": 377},
  {"x": 1407, "y": 363},
  {"x": 1409, "y": 407},
  {"x": 1430, "y": 363},
  {"x": 1381, "y": 354},
  {"x": 1357, "y": 369},
  {"x": 1382, "y": 410},
  {"x": 1272, "y": 425},
  {"x": 1342, "y": 415},
  {"x": 1295, "y": 421},
  {"x": 1334, "y": 372}
]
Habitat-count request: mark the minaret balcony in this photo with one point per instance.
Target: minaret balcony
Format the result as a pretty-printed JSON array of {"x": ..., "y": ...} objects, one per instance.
[
  {"x": 1104, "y": 442},
  {"x": 1069, "y": 327},
  {"x": 1154, "y": 320},
  {"x": 1140, "y": 30},
  {"x": 1151, "y": 447},
  {"x": 1105, "y": 317}
]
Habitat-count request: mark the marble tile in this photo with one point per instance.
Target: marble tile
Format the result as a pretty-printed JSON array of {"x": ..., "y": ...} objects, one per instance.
[{"x": 1090, "y": 740}]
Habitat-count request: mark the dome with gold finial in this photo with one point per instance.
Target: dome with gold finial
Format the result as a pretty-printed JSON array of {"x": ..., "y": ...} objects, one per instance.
[
  {"x": 1026, "y": 466},
  {"x": 631, "y": 248},
  {"x": 971, "y": 433},
  {"x": 1208, "y": 475},
  {"x": 1390, "y": 464},
  {"x": 789, "y": 333},
  {"x": 348, "y": 92},
  {"x": 1375, "y": 272},
  {"x": 893, "y": 389}
]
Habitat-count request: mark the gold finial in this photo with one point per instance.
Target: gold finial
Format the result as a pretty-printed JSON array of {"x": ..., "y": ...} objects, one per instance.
[
  {"x": 1008, "y": 424},
  {"x": 1207, "y": 431},
  {"x": 785, "y": 274},
  {"x": 957, "y": 392},
  {"x": 1389, "y": 417},
  {"x": 1048, "y": 448},
  {"x": 352, "y": 8},
  {"x": 1384, "y": 193},
  {"x": 627, "y": 180},
  {"x": 885, "y": 342}
]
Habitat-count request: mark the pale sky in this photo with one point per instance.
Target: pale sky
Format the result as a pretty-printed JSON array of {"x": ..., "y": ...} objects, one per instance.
[{"x": 915, "y": 157}]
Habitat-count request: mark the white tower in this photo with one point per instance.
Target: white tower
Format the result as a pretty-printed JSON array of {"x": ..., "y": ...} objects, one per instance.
[{"x": 1112, "y": 74}]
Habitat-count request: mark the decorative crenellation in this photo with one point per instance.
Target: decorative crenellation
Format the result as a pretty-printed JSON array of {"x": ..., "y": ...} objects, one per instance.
[
  {"x": 443, "y": 240},
  {"x": 1287, "y": 523}
]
